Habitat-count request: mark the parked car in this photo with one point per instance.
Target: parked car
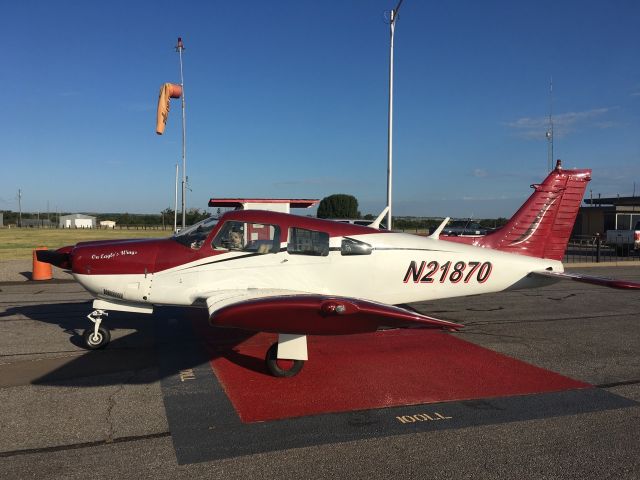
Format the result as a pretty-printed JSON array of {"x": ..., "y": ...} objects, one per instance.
[
  {"x": 463, "y": 228},
  {"x": 624, "y": 240}
]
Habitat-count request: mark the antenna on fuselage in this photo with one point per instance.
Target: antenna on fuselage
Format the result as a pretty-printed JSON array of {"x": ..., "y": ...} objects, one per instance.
[
  {"x": 436, "y": 234},
  {"x": 376, "y": 222}
]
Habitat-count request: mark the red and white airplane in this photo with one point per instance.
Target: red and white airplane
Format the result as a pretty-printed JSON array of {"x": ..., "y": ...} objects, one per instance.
[{"x": 297, "y": 276}]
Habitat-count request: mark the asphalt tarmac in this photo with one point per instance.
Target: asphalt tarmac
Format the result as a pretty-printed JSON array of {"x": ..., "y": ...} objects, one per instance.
[{"x": 65, "y": 413}]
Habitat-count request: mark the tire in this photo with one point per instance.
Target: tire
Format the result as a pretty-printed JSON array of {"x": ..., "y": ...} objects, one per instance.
[
  {"x": 104, "y": 336},
  {"x": 276, "y": 370}
]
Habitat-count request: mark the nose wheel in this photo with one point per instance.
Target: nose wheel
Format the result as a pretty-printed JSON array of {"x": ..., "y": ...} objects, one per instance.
[{"x": 97, "y": 336}]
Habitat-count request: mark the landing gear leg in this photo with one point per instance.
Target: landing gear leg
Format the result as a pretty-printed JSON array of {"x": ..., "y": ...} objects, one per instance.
[
  {"x": 286, "y": 357},
  {"x": 97, "y": 336}
]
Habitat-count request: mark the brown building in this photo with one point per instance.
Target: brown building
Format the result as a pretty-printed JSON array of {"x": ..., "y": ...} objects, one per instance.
[{"x": 602, "y": 214}]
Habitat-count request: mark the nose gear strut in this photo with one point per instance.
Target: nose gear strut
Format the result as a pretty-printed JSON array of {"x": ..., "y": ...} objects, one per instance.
[{"x": 97, "y": 336}]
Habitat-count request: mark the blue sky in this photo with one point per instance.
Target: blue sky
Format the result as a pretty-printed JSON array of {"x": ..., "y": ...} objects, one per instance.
[{"x": 289, "y": 99}]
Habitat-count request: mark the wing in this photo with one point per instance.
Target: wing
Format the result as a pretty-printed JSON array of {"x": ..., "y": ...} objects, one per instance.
[
  {"x": 601, "y": 281},
  {"x": 282, "y": 311}
]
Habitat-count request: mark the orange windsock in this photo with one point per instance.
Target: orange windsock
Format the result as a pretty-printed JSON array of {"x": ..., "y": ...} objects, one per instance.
[{"x": 167, "y": 92}]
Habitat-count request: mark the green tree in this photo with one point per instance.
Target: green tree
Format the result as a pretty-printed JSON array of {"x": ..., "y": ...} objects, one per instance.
[
  {"x": 194, "y": 215},
  {"x": 339, "y": 205}
]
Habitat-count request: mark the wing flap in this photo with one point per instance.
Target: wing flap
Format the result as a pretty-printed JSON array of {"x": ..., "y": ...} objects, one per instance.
[
  {"x": 311, "y": 314},
  {"x": 222, "y": 298},
  {"x": 600, "y": 281}
]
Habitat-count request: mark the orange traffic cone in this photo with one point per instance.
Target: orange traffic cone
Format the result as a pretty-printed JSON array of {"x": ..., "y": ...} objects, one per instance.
[{"x": 41, "y": 270}]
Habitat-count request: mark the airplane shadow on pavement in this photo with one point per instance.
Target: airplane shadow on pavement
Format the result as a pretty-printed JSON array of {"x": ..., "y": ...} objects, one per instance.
[{"x": 167, "y": 328}]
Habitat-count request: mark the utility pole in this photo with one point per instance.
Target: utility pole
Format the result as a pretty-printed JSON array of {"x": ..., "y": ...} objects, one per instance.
[
  {"x": 19, "y": 208},
  {"x": 179, "y": 49},
  {"x": 392, "y": 23}
]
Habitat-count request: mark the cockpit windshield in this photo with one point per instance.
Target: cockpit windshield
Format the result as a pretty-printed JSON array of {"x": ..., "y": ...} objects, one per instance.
[{"x": 195, "y": 235}]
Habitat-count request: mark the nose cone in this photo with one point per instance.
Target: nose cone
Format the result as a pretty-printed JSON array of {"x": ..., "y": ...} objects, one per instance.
[
  {"x": 116, "y": 257},
  {"x": 60, "y": 258}
]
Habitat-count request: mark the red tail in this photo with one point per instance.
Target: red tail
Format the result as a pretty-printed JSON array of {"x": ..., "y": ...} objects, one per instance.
[{"x": 542, "y": 226}]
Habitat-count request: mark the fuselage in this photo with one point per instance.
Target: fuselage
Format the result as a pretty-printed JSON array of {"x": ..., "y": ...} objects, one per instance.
[{"x": 301, "y": 255}]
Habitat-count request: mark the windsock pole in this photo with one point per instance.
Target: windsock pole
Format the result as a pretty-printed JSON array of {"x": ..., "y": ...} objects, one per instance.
[
  {"x": 179, "y": 49},
  {"x": 175, "y": 208}
]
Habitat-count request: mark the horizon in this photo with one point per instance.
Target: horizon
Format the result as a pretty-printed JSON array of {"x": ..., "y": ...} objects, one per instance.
[
  {"x": 294, "y": 211},
  {"x": 292, "y": 102}
]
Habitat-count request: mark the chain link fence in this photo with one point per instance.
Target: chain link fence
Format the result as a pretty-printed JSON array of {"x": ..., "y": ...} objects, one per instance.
[{"x": 593, "y": 249}]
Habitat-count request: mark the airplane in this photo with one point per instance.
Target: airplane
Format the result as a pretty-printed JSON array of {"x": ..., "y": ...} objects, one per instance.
[{"x": 297, "y": 276}]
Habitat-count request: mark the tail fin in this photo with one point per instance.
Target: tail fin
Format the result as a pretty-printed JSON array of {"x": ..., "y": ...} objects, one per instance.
[{"x": 542, "y": 226}]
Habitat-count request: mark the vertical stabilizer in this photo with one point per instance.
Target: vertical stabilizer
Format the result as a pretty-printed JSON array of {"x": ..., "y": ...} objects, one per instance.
[{"x": 542, "y": 226}]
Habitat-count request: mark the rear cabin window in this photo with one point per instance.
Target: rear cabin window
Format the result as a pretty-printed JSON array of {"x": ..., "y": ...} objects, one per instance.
[
  {"x": 308, "y": 242},
  {"x": 248, "y": 237},
  {"x": 351, "y": 246}
]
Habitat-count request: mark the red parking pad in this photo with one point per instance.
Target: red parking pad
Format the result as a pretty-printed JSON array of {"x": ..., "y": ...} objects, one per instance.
[{"x": 369, "y": 371}]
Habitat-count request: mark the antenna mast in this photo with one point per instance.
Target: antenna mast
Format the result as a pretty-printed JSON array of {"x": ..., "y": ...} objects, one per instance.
[
  {"x": 179, "y": 49},
  {"x": 550, "y": 131}
]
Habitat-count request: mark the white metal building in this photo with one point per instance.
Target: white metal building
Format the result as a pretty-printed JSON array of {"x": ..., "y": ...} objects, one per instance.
[{"x": 77, "y": 220}]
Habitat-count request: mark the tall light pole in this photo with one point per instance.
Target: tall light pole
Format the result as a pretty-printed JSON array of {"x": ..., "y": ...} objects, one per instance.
[
  {"x": 179, "y": 49},
  {"x": 392, "y": 23}
]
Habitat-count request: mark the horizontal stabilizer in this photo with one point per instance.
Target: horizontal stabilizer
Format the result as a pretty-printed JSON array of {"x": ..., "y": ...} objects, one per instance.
[{"x": 600, "y": 281}]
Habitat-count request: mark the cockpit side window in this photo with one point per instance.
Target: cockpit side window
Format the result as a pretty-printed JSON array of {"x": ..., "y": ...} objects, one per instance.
[
  {"x": 195, "y": 235},
  {"x": 308, "y": 242},
  {"x": 248, "y": 237}
]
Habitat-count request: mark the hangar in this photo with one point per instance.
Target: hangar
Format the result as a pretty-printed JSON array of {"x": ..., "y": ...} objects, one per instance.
[{"x": 602, "y": 214}]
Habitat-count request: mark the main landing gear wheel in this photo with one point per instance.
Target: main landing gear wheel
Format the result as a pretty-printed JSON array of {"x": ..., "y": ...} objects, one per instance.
[
  {"x": 95, "y": 340},
  {"x": 281, "y": 367}
]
